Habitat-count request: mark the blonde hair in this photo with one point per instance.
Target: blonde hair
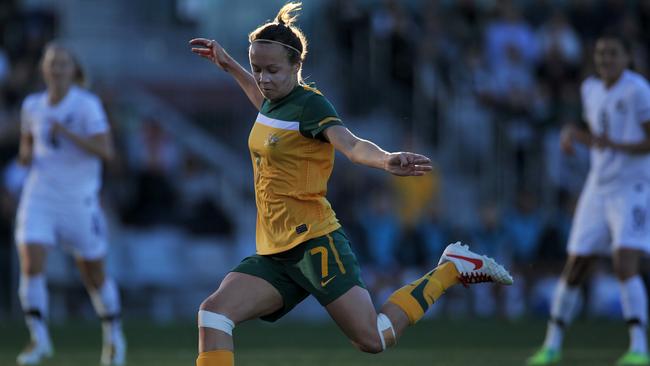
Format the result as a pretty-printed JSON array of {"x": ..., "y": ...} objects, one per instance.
[{"x": 283, "y": 31}]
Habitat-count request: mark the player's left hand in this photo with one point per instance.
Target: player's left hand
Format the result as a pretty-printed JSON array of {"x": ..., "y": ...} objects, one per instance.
[
  {"x": 407, "y": 164},
  {"x": 58, "y": 129}
]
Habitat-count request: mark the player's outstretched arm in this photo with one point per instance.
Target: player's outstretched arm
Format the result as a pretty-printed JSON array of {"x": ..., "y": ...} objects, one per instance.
[
  {"x": 213, "y": 51},
  {"x": 365, "y": 152}
]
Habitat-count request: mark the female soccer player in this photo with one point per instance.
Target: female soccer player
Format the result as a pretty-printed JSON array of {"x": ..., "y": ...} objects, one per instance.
[
  {"x": 301, "y": 247},
  {"x": 612, "y": 213},
  {"x": 65, "y": 136}
]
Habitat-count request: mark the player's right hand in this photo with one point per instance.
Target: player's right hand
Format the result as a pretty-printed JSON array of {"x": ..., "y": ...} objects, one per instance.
[
  {"x": 566, "y": 139},
  {"x": 212, "y": 50}
]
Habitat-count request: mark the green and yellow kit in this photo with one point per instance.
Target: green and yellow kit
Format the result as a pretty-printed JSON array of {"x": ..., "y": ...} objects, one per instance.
[
  {"x": 301, "y": 248},
  {"x": 292, "y": 164}
]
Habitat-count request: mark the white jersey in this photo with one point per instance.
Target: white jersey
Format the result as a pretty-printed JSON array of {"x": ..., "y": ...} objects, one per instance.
[
  {"x": 61, "y": 170},
  {"x": 617, "y": 112}
]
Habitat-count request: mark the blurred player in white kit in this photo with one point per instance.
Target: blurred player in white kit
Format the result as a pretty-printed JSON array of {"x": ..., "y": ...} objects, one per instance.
[
  {"x": 612, "y": 214},
  {"x": 65, "y": 137}
]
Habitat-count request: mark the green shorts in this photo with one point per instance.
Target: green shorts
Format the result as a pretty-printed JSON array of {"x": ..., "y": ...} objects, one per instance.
[{"x": 324, "y": 267}]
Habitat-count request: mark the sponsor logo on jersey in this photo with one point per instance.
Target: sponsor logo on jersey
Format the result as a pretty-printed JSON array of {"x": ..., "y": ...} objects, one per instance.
[
  {"x": 301, "y": 228},
  {"x": 638, "y": 218},
  {"x": 620, "y": 107}
]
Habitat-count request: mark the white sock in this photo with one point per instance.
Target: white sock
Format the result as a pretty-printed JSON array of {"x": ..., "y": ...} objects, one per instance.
[
  {"x": 634, "y": 300},
  {"x": 563, "y": 309},
  {"x": 32, "y": 292},
  {"x": 106, "y": 301}
]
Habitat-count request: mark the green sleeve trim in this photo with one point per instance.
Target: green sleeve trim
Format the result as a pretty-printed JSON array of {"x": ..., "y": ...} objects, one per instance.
[{"x": 318, "y": 115}]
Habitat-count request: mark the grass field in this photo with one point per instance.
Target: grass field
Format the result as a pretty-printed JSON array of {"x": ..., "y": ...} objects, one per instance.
[{"x": 448, "y": 343}]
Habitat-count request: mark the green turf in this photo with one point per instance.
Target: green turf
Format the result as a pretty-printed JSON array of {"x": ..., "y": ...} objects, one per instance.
[{"x": 448, "y": 343}]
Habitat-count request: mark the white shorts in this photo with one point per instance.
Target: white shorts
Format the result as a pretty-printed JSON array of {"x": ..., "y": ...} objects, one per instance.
[
  {"x": 78, "y": 227},
  {"x": 607, "y": 221}
]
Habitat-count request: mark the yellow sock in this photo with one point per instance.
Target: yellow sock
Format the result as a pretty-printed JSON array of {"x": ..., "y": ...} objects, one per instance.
[
  {"x": 220, "y": 357},
  {"x": 416, "y": 297}
]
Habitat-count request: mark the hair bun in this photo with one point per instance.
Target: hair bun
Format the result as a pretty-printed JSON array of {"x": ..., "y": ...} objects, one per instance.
[{"x": 286, "y": 14}]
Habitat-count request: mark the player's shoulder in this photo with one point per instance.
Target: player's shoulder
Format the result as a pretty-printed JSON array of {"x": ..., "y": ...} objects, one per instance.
[
  {"x": 589, "y": 83},
  {"x": 636, "y": 80},
  {"x": 85, "y": 95},
  {"x": 314, "y": 98},
  {"x": 32, "y": 100}
]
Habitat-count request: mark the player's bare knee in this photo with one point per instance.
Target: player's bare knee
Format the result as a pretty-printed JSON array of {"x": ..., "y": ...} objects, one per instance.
[
  {"x": 211, "y": 303},
  {"x": 31, "y": 270},
  {"x": 576, "y": 270},
  {"x": 216, "y": 304},
  {"x": 623, "y": 273},
  {"x": 31, "y": 267},
  {"x": 94, "y": 281},
  {"x": 574, "y": 280},
  {"x": 92, "y": 277},
  {"x": 368, "y": 341},
  {"x": 370, "y": 345}
]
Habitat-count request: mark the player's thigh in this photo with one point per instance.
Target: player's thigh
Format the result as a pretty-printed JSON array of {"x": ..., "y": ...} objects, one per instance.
[
  {"x": 327, "y": 267},
  {"x": 241, "y": 297},
  {"x": 355, "y": 314},
  {"x": 34, "y": 234},
  {"x": 83, "y": 231},
  {"x": 590, "y": 232},
  {"x": 628, "y": 212}
]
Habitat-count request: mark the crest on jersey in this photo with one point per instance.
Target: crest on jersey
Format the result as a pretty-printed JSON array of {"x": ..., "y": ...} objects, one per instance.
[
  {"x": 638, "y": 218},
  {"x": 621, "y": 107},
  {"x": 272, "y": 140}
]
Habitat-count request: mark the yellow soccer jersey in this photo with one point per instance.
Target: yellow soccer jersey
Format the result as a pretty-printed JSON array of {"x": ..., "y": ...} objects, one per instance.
[{"x": 292, "y": 163}]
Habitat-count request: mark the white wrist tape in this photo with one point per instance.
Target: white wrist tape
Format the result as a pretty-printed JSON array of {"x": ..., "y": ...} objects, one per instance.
[
  {"x": 386, "y": 331},
  {"x": 208, "y": 319}
]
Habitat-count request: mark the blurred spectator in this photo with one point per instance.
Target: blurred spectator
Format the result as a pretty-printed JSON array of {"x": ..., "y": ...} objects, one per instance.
[
  {"x": 524, "y": 223},
  {"x": 558, "y": 39},
  {"x": 490, "y": 236},
  {"x": 155, "y": 158},
  {"x": 382, "y": 230},
  {"x": 555, "y": 236},
  {"x": 394, "y": 33},
  {"x": 199, "y": 202},
  {"x": 433, "y": 233},
  {"x": 508, "y": 36},
  {"x": 591, "y": 17},
  {"x": 351, "y": 24},
  {"x": 631, "y": 30},
  {"x": 4, "y": 67}
]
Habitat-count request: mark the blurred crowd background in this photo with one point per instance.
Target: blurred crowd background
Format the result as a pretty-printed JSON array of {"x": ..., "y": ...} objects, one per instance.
[{"x": 481, "y": 86}]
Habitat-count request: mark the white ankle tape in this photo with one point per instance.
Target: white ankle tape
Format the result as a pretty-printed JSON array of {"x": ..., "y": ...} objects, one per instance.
[
  {"x": 208, "y": 319},
  {"x": 386, "y": 331}
]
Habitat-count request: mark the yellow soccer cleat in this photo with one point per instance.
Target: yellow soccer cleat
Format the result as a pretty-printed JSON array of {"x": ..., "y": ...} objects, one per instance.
[
  {"x": 545, "y": 356},
  {"x": 633, "y": 359}
]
